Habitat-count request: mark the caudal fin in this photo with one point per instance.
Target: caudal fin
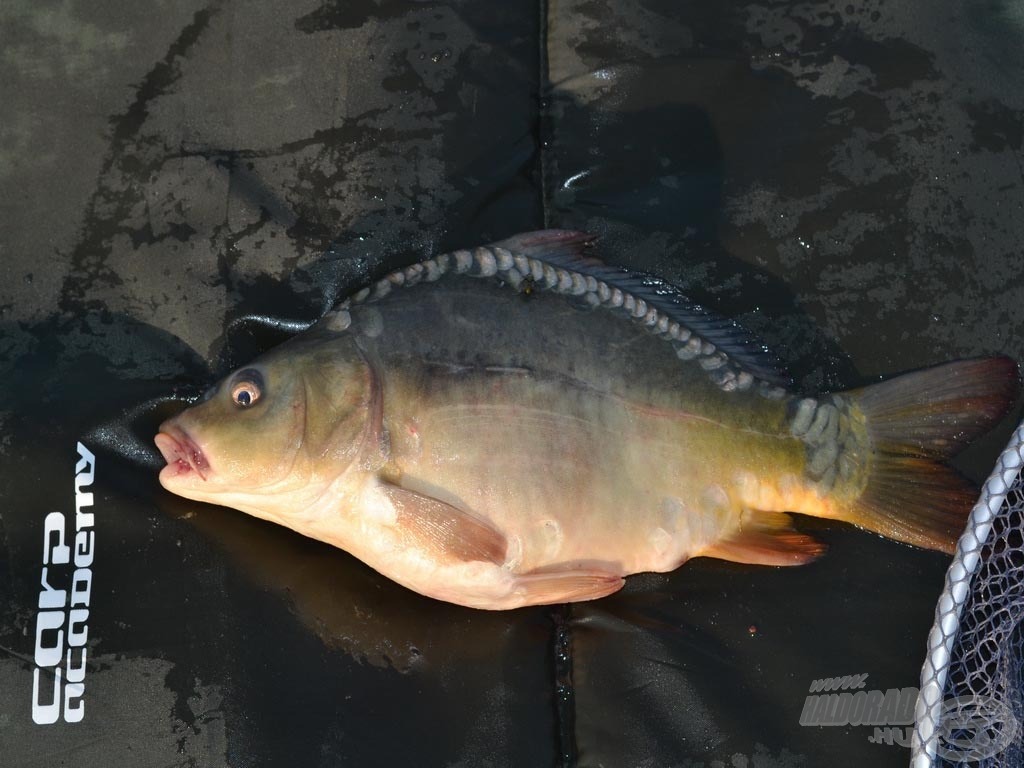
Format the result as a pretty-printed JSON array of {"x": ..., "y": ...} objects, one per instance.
[{"x": 916, "y": 422}]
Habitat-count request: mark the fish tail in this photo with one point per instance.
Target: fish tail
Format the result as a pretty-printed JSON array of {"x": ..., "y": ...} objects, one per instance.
[{"x": 908, "y": 428}]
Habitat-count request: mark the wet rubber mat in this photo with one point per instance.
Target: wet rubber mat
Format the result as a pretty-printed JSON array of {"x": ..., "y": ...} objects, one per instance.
[{"x": 183, "y": 189}]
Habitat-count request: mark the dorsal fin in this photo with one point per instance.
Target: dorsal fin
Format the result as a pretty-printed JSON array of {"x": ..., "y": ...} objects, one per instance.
[
  {"x": 566, "y": 249},
  {"x": 555, "y": 260}
]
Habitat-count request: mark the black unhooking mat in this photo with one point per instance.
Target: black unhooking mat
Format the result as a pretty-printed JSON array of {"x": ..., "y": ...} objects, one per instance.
[{"x": 185, "y": 183}]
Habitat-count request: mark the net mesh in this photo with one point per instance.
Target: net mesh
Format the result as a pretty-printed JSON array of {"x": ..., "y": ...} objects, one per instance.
[{"x": 971, "y": 702}]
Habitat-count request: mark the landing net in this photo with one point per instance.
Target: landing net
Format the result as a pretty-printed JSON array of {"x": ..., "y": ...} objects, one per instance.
[{"x": 971, "y": 704}]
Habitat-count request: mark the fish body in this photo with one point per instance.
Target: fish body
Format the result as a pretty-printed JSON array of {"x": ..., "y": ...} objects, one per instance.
[{"x": 519, "y": 424}]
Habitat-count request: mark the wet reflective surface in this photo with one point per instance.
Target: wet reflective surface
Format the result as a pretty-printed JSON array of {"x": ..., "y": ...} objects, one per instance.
[{"x": 185, "y": 190}]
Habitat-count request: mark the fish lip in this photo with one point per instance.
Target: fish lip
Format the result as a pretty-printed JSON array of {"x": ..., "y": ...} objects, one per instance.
[{"x": 180, "y": 452}]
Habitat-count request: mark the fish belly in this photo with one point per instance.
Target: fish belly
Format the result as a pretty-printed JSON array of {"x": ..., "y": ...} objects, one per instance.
[{"x": 577, "y": 478}]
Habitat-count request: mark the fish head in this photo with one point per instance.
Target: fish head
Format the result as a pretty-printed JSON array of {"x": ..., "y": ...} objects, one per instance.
[{"x": 275, "y": 431}]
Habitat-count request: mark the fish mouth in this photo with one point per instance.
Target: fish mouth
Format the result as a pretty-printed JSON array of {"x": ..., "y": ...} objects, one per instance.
[{"x": 181, "y": 453}]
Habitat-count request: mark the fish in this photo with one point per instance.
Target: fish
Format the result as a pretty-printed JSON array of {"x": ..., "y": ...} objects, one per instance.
[{"x": 523, "y": 424}]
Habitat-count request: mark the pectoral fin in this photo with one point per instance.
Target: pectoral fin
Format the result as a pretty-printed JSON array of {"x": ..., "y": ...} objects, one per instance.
[
  {"x": 766, "y": 538},
  {"x": 444, "y": 530}
]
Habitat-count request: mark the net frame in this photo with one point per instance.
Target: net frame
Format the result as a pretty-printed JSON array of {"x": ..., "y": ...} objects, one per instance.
[{"x": 980, "y": 728}]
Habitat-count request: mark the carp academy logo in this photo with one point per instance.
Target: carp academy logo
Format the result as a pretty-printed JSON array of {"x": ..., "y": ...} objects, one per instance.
[{"x": 62, "y": 631}]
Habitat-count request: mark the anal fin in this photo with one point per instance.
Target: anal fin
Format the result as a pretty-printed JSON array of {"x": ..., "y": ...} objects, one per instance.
[
  {"x": 766, "y": 538},
  {"x": 444, "y": 530}
]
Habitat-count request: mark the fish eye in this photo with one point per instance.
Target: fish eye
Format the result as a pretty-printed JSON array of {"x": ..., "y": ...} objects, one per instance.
[{"x": 247, "y": 389}]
